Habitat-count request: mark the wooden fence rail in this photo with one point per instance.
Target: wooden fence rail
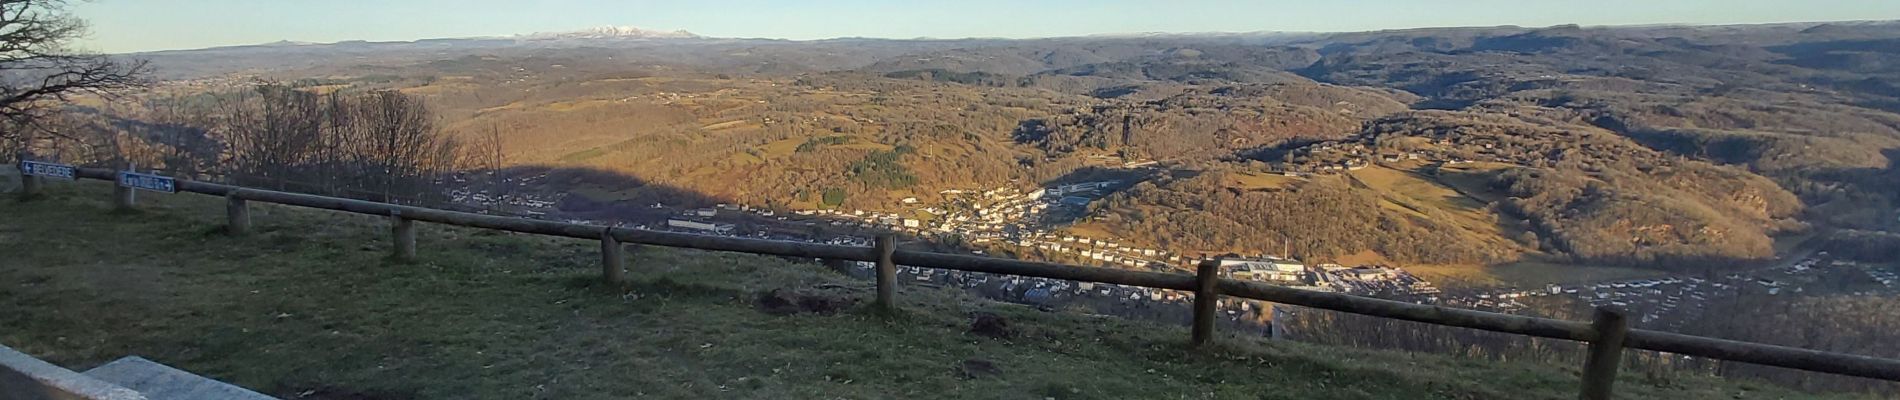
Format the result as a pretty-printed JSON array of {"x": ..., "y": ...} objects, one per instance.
[{"x": 1604, "y": 333}]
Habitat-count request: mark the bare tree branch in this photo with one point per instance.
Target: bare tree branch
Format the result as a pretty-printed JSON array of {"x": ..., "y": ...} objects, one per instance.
[{"x": 38, "y": 69}]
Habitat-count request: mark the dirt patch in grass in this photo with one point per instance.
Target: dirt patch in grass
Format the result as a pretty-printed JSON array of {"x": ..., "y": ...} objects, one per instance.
[{"x": 786, "y": 302}]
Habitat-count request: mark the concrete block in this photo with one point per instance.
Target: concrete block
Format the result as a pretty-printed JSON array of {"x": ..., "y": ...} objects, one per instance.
[
  {"x": 160, "y": 382},
  {"x": 23, "y": 377}
]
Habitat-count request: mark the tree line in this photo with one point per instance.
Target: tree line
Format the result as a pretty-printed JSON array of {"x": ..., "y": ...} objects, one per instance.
[{"x": 374, "y": 144}]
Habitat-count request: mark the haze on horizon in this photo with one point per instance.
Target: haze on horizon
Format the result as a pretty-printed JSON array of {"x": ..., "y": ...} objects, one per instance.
[{"x": 121, "y": 26}]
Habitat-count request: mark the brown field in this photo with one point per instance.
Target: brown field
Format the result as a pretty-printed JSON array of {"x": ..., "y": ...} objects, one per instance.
[
  {"x": 1429, "y": 197},
  {"x": 1259, "y": 180}
]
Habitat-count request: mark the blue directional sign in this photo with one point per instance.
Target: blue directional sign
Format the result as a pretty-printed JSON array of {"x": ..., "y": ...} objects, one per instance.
[
  {"x": 46, "y": 169},
  {"x": 148, "y": 182}
]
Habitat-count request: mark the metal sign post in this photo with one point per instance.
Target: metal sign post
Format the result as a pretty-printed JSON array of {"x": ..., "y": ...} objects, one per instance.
[
  {"x": 49, "y": 170},
  {"x": 150, "y": 182},
  {"x": 33, "y": 172}
]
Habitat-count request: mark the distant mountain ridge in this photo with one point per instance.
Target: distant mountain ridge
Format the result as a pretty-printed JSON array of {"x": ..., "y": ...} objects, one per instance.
[
  {"x": 611, "y": 32},
  {"x": 1263, "y": 37}
]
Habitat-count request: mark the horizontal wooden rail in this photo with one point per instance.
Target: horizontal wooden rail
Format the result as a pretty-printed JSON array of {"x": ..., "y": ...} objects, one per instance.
[
  {"x": 745, "y": 245},
  {"x": 1765, "y": 354},
  {"x": 1044, "y": 270},
  {"x": 1463, "y": 318},
  {"x": 1755, "y": 353}
]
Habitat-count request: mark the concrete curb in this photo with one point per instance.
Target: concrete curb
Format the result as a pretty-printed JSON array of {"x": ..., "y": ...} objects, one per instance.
[
  {"x": 23, "y": 377},
  {"x": 160, "y": 381}
]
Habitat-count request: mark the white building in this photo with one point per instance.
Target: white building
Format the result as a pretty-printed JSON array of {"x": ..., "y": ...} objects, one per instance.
[
  {"x": 1273, "y": 269},
  {"x": 718, "y": 228}
]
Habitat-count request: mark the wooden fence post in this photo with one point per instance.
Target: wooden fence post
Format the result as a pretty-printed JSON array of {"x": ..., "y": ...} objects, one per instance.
[
  {"x": 1206, "y": 296},
  {"x": 237, "y": 215},
  {"x": 1606, "y": 354},
  {"x": 122, "y": 199},
  {"x": 886, "y": 273},
  {"x": 613, "y": 257},
  {"x": 29, "y": 186},
  {"x": 404, "y": 232}
]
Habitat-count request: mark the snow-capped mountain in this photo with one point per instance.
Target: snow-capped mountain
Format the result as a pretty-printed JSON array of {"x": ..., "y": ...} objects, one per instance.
[{"x": 611, "y": 32}]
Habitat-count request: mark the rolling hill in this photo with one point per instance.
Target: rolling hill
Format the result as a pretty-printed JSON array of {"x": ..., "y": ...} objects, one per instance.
[{"x": 1658, "y": 147}]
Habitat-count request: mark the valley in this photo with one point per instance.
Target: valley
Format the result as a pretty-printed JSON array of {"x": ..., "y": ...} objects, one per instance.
[{"x": 1673, "y": 170}]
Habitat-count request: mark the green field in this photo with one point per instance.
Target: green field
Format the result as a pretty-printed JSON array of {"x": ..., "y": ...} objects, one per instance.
[{"x": 308, "y": 307}]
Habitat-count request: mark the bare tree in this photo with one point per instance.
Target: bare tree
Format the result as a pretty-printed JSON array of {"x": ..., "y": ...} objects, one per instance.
[
  {"x": 485, "y": 154},
  {"x": 39, "y": 69},
  {"x": 377, "y": 144},
  {"x": 273, "y": 132}
]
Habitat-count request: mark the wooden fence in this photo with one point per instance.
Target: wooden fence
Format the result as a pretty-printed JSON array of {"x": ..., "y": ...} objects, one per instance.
[{"x": 1606, "y": 336}]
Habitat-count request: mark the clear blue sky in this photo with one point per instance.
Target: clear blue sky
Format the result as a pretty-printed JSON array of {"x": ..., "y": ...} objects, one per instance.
[{"x": 141, "y": 25}]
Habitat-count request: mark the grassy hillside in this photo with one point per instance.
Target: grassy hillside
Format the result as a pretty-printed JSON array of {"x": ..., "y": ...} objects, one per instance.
[{"x": 307, "y": 307}]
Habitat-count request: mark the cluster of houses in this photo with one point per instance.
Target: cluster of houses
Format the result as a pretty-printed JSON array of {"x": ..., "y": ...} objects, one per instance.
[
  {"x": 526, "y": 203},
  {"x": 991, "y": 214},
  {"x": 1370, "y": 280},
  {"x": 1010, "y": 217},
  {"x": 1004, "y": 215},
  {"x": 868, "y": 220},
  {"x": 1672, "y": 302},
  {"x": 1885, "y": 277},
  {"x": 1101, "y": 251},
  {"x": 995, "y": 215},
  {"x": 1340, "y": 156},
  {"x": 1375, "y": 280}
]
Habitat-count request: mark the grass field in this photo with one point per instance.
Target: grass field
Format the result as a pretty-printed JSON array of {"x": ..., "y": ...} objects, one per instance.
[
  {"x": 1253, "y": 181},
  {"x": 575, "y": 105},
  {"x": 308, "y": 307},
  {"x": 1472, "y": 178},
  {"x": 1420, "y": 195},
  {"x": 1460, "y": 192}
]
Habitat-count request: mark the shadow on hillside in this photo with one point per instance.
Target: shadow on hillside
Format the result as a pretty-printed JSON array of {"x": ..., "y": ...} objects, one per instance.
[
  {"x": 1070, "y": 209},
  {"x": 599, "y": 193},
  {"x": 604, "y": 197},
  {"x": 1128, "y": 176},
  {"x": 1277, "y": 151},
  {"x": 617, "y": 198}
]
